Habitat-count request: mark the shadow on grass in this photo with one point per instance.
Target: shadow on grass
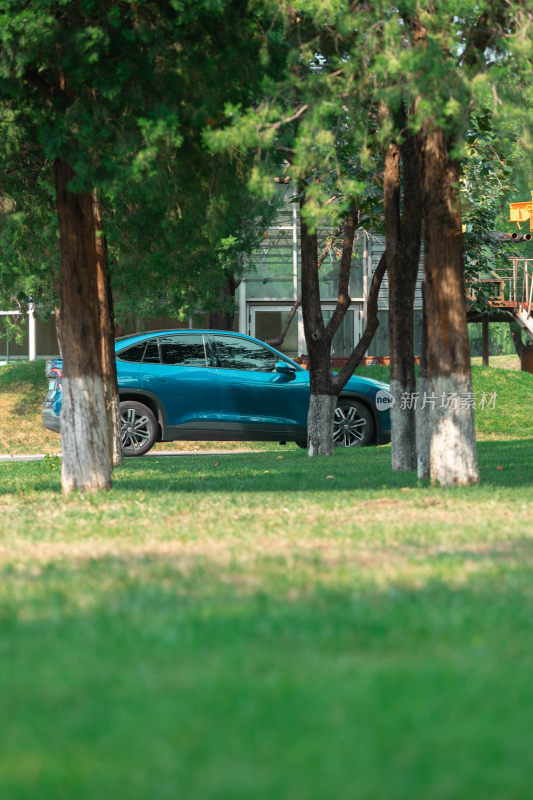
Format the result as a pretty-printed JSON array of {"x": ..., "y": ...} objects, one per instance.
[
  {"x": 502, "y": 464},
  {"x": 507, "y": 464}
]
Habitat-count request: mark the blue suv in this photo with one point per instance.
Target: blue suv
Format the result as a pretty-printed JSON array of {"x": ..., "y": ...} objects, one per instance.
[{"x": 221, "y": 386}]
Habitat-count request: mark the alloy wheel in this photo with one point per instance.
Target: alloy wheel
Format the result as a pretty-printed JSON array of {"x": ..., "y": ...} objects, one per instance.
[
  {"x": 349, "y": 426},
  {"x": 135, "y": 429}
]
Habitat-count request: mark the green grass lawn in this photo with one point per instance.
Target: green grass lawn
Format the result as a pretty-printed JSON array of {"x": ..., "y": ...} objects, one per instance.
[
  {"x": 269, "y": 626},
  {"x": 508, "y": 361}
]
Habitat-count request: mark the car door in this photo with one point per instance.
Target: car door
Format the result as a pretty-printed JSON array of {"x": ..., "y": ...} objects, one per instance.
[
  {"x": 186, "y": 385},
  {"x": 253, "y": 395},
  {"x": 128, "y": 361}
]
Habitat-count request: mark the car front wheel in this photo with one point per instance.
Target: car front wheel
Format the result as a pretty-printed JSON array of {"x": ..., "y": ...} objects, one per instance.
[
  {"x": 138, "y": 428},
  {"x": 353, "y": 425}
]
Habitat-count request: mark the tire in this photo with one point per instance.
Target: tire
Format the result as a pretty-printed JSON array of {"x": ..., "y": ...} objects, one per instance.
[
  {"x": 138, "y": 428},
  {"x": 303, "y": 445},
  {"x": 353, "y": 425}
]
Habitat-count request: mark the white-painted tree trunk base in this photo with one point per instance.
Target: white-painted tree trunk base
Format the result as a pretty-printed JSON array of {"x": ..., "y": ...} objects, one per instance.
[
  {"x": 403, "y": 429},
  {"x": 423, "y": 431},
  {"x": 320, "y": 424},
  {"x": 117, "y": 454},
  {"x": 453, "y": 457},
  {"x": 83, "y": 419}
]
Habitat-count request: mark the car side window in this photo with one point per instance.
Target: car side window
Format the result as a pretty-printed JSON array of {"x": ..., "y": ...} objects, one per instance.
[
  {"x": 151, "y": 354},
  {"x": 234, "y": 352},
  {"x": 134, "y": 353},
  {"x": 183, "y": 349}
]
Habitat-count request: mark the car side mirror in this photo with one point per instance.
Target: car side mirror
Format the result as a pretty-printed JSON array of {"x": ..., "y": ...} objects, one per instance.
[{"x": 285, "y": 368}]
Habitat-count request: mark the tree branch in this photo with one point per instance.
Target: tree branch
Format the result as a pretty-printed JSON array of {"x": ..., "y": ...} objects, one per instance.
[
  {"x": 280, "y": 339},
  {"x": 372, "y": 324},
  {"x": 275, "y": 125},
  {"x": 516, "y": 336},
  {"x": 343, "y": 297},
  {"x": 329, "y": 242}
]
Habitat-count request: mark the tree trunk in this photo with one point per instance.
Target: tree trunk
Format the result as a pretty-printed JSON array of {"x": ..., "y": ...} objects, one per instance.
[
  {"x": 453, "y": 458},
  {"x": 223, "y": 319},
  {"x": 423, "y": 433},
  {"x": 404, "y": 287},
  {"x": 402, "y": 241},
  {"x": 84, "y": 434},
  {"x": 278, "y": 341},
  {"x": 107, "y": 336},
  {"x": 320, "y": 424},
  {"x": 516, "y": 336},
  {"x": 485, "y": 341},
  {"x": 323, "y": 397},
  {"x": 326, "y": 387}
]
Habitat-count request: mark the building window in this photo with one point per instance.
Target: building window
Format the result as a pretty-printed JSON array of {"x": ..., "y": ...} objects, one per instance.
[
  {"x": 344, "y": 339},
  {"x": 418, "y": 332},
  {"x": 267, "y": 324},
  {"x": 379, "y": 345},
  {"x": 329, "y": 272},
  {"x": 270, "y": 273}
]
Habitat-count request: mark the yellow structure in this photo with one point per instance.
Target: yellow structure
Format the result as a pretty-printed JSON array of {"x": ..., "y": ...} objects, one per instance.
[{"x": 522, "y": 212}]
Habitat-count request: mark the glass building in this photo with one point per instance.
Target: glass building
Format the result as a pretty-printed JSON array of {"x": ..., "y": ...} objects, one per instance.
[{"x": 272, "y": 284}]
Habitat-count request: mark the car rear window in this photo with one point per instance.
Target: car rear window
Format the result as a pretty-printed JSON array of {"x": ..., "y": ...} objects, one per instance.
[
  {"x": 147, "y": 352},
  {"x": 151, "y": 354},
  {"x": 134, "y": 353}
]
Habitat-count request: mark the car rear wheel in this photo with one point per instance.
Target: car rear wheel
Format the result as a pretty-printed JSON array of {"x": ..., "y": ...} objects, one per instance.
[
  {"x": 138, "y": 428},
  {"x": 353, "y": 425}
]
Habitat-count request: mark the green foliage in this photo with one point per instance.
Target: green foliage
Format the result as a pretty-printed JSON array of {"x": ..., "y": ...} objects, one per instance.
[
  {"x": 177, "y": 236},
  {"x": 29, "y": 240},
  {"x": 500, "y": 342},
  {"x": 80, "y": 77},
  {"x": 52, "y": 461},
  {"x": 302, "y": 127},
  {"x": 490, "y": 171},
  {"x": 122, "y": 92},
  {"x": 11, "y": 328},
  {"x": 346, "y": 65}
]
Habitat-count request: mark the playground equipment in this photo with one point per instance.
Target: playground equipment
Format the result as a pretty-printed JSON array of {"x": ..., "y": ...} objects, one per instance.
[
  {"x": 520, "y": 290},
  {"x": 510, "y": 288},
  {"x": 521, "y": 212}
]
